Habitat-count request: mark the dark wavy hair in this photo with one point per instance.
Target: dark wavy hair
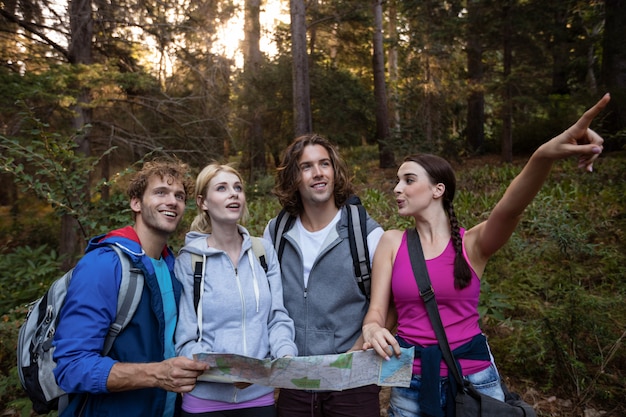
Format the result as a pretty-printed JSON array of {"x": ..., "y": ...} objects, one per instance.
[
  {"x": 288, "y": 175},
  {"x": 168, "y": 170},
  {"x": 440, "y": 171}
]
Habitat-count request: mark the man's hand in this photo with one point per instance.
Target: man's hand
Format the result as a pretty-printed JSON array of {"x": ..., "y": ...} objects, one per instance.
[
  {"x": 180, "y": 374},
  {"x": 175, "y": 374}
]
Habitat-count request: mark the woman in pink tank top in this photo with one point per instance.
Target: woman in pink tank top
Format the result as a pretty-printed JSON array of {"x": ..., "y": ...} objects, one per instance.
[{"x": 455, "y": 260}]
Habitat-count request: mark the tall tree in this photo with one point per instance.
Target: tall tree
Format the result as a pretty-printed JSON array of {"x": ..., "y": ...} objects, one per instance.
[
  {"x": 560, "y": 46},
  {"x": 476, "y": 100},
  {"x": 254, "y": 108},
  {"x": 386, "y": 157},
  {"x": 80, "y": 54},
  {"x": 507, "y": 96},
  {"x": 614, "y": 64},
  {"x": 303, "y": 122},
  {"x": 394, "y": 75}
]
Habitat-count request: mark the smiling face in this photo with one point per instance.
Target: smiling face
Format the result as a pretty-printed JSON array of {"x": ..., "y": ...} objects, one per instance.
[
  {"x": 317, "y": 176},
  {"x": 161, "y": 206},
  {"x": 224, "y": 199}
]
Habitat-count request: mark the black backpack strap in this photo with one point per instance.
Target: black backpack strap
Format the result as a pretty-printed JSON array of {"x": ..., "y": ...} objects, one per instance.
[
  {"x": 197, "y": 265},
  {"x": 284, "y": 222},
  {"x": 357, "y": 235}
]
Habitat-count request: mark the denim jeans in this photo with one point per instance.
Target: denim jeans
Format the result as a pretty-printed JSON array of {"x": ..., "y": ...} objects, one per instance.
[{"x": 403, "y": 401}]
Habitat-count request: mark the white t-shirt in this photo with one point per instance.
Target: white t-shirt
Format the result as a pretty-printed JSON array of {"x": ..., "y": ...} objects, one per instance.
[{"x": 313, "y": 242}]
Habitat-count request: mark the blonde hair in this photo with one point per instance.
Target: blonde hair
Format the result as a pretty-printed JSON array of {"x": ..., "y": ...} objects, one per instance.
[{"x": 202, "y": 222}]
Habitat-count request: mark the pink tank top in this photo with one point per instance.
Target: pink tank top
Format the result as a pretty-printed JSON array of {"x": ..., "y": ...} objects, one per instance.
[{"x": 458, "y": 308}]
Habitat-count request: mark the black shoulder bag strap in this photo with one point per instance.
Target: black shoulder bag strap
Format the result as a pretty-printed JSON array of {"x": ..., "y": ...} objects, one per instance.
[{"x": 418, "y": 264}]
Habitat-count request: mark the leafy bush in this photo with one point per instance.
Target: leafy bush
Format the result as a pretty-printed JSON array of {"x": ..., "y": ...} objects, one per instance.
[
  {"x": 25, "y": 274},
  {"x": 11, "y": 393}
]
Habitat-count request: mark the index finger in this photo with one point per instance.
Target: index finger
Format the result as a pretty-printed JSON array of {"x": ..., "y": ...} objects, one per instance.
[{"x": 586, "y": 119}]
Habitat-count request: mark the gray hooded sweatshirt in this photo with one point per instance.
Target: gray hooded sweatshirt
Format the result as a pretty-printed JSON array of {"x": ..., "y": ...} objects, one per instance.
[
  {"x": 329, "y": 311},
  {"x": 242, "y": 311}
]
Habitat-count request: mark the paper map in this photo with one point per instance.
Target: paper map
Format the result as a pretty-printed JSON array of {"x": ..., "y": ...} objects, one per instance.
[{"x": 323, "y": 372}]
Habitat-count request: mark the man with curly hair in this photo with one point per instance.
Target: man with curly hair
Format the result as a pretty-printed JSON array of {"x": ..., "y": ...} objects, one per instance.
[{"x": 140, "y": 376}]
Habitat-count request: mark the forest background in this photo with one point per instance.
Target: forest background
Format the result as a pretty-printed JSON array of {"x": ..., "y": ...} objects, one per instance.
[{"x": 89, "y": 89}]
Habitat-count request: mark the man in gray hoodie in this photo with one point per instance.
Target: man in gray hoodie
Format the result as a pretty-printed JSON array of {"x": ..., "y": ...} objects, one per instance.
[{"x": 320, "y": 290}]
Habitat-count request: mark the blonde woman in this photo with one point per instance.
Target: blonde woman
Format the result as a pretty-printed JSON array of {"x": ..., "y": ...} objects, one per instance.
[{"x": 241, "y": 305}]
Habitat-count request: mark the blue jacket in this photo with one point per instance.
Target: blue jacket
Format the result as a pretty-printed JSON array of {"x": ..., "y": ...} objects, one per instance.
[{"x": 89, "y": 310}]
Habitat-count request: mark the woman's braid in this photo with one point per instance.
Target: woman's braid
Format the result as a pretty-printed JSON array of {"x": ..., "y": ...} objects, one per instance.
[{"x": 462, "y": 272}]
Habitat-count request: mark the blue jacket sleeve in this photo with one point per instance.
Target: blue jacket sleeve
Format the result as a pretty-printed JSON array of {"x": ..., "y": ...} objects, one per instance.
[{"x": 89, "y": 309}]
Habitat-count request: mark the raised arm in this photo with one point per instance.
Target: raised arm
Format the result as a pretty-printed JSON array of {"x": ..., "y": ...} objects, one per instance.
[{"x": 485, "y": 239}]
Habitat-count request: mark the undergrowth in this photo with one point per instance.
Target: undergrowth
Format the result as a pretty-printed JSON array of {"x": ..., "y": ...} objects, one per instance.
[{"x": 552, "y": 298}]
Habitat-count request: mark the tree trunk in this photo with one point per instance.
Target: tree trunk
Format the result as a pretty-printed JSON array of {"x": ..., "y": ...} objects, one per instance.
[
  {"x": 560, "y": 49},
  {"x": 72, "y": 241},
  {"x": 394, "y": 77},
  {"x": 252, "y": 63},
  {"x": 614, "y": 67},
  {"x": 301, "y": 90},
  {"x": 507, "y": 129},
  {"x": 385, "y": 152},
  {"x": 476, "y": 99}
]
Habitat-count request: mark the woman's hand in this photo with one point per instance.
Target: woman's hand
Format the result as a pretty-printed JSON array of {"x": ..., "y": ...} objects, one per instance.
[
  {"x": 578, "y": 139},
  {"x": 381, "y": 340}
]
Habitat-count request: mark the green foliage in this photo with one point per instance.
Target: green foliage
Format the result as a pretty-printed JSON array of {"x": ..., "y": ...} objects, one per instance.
[
  {"x": 25, "y": 274},
  {"x": 49, "y": 165},
  {"x": 551, "y": 299},
  {"x": 261, "y": 211},
  {"x": 11, "y": 394},
  {"x": 28, "y": 222},
  {"x": 342, "y": 106},
  {"x": 562, "y": 273}
]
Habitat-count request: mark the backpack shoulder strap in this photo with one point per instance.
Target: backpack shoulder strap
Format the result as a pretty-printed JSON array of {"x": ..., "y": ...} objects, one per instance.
[
  {"x": 128, "y": 298},
  {"x": 357, "y": 235},
  {"x": 259, "y": 251},
  {"x": 284, "y": 221},
  {"x": 197, "y": 265}
]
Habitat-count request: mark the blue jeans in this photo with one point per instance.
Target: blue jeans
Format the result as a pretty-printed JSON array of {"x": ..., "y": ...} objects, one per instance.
[{"x": 403, "y": 401}]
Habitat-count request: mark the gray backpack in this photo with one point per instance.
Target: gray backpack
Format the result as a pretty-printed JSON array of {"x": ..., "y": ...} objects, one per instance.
[{"x": 34, "y": 346}]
